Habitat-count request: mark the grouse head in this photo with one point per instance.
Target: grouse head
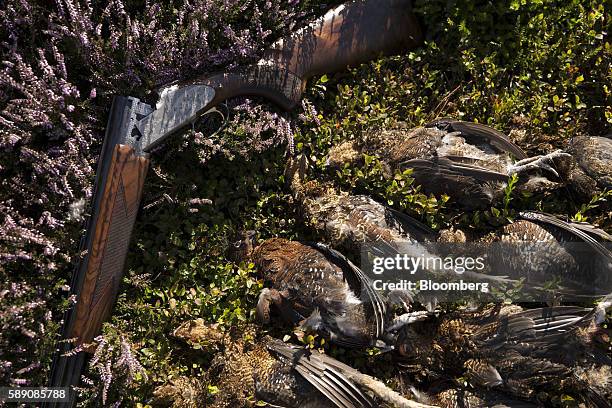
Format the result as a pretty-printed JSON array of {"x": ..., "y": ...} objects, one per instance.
[{"x": 243, "y": 245}]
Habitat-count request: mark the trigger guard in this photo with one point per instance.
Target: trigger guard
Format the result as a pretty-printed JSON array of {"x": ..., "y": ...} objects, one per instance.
[{"x": 211, "y": 111}]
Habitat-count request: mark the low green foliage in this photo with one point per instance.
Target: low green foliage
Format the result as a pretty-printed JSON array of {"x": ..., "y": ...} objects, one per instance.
[
  {"x": 399, "y": 192},
  {"x": 596, "y": 201}
]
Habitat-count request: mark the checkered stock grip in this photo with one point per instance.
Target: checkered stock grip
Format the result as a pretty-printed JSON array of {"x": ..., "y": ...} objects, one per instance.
[
  {"x": 102, "y": 268},
  {"x": 99, "y": 273}
]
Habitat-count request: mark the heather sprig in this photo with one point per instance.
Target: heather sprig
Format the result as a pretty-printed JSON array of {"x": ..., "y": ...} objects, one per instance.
[
  {"x": 126, "y": 50},
  {"x": 23, "y": 315},
  {"x": 115, "y": 364}
]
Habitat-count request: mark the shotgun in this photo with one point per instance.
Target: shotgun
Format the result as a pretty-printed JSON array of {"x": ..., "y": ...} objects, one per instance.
[{"x": 347, "y": 35}]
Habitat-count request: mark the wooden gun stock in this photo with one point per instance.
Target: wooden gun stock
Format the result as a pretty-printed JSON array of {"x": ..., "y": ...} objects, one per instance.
[
  {"x": 120, "y": 199},
  {"x": 119, "y": 182},
  {"x": 347, "y": 35}
]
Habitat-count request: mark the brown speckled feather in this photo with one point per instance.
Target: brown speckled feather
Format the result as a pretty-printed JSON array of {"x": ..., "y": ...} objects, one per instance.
[
  {"x": 267, "y": 370},
  {"x": 468, "y": 161},
  {"x": 516, "y": 352},
  {"x": 349, "y": 221},
  {"x": 541, "y": 248},
  {"x": 319, "y": 282},
  {"x": 594, "y": 156}
]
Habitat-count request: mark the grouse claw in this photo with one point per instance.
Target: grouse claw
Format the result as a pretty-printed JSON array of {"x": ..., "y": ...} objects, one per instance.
[
  {"x": 408, "y": 318},
  {"x": 545, "y": 162}
]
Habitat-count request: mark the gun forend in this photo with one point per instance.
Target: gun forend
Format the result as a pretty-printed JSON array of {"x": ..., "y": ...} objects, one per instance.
[{"x": 103, "y": 268}]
